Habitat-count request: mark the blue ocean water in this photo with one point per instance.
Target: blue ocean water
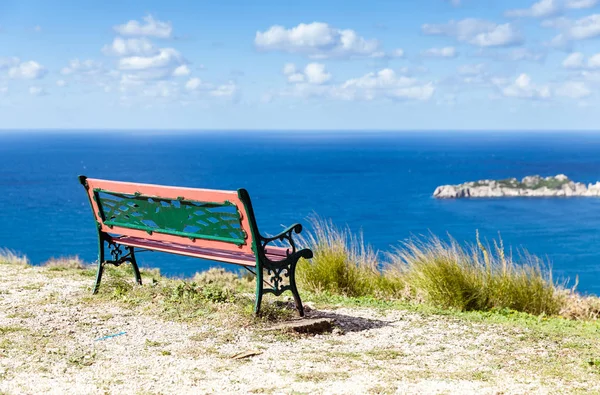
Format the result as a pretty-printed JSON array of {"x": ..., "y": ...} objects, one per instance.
[{"x": 380, "y": 183}]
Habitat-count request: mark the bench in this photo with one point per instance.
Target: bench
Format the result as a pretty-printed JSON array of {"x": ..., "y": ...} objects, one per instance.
[{"x": 208, "y": 224}]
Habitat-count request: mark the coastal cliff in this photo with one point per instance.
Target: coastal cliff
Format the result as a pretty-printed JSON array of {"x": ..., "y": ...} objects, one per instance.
[{"x": 530, "y": 186}]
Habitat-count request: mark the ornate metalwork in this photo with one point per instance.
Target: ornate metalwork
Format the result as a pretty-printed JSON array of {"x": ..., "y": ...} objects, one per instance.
[
  {"x": 181, "y": 217},
  {"x": 118, "y": 258},
  {"x": 283, "y": 237},
  {"x": 275, "y": 277},
  {"x": 280, "y": 275}
]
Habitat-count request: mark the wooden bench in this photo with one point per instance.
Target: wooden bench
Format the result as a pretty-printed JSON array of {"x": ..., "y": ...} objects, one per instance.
[{"x": 208, "y": 224}]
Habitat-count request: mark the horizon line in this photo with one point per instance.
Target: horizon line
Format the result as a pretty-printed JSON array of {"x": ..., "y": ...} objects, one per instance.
[{"x": 8, "y": 130}]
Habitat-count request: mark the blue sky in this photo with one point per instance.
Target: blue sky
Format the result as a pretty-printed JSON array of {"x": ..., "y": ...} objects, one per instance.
[{"x": 385, "y": 65}]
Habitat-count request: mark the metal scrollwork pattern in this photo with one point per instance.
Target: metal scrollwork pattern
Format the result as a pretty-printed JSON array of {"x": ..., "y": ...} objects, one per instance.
[
  {"x": 283, "y": 237},
  {"x": 178, "y": 217},
  {"x": 279, "y": 279},
  {"x": 117, "y": 254}
]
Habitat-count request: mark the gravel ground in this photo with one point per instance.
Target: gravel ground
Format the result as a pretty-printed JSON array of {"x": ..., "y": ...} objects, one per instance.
[{"x": 51, "y": 341}]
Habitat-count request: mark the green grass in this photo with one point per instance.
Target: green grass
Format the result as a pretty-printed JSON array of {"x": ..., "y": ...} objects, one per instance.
[
  {"x": 342, "y": 264},
  {"x": 429, "y": 270},
  {"x": 476, "y": 277},
  {"x": 214, "y": 295}
]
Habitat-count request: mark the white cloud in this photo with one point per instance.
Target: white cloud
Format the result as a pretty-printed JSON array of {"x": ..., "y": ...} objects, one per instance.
[
  {"x": 541, "y": 9},
  {"x": 151, "y": 28},
  {"x": 37, "y": 28},
  {"x": 524, "y": 54},
  {"x": 471, "y": 69},
  {"x": 193, "y": 84},
  {"x": 591, "y": 76},
  {"x": 446, "y": 52},
  {"x": 577, "y": 61},
  {"x": 594, "y": 61},
  {"x": 573, "y": 90},
  {"x": 520, "y": 54},
  {"x": 549, "y": 8},
  {"x": 9, "y": 62},
  {"x": 397, "y": 53},
  {"x": 61, "y": 83},
  {"x": 37, "y": 91},
  {"x": 225, "y": 91},
  {"x": 3, "y": 90},
  {"x": 477, "y": 32},
  {"x": 573, "y": 61},
  {"x": 313, "y": 73},
  {"x": 87, "y": 67},
  {"x": 573, "y": 30},
  {"x": 28, "y": 71},
  {"x": 182, "y": 71},
  {"x": 129, "y": 46},
  {"x": 196, "y": 85},
  {"x": 161, "y": 89},
  {"x": 587, "y": 27},
  {"x": 318, "y": 40},
  {"x": 289, "y": 69},
  {"x": 580, "y": 4},
  {"x": 166, "y": 57},
  {"x": 523, "y": 88},
  {"x": 384, "y": 84}
]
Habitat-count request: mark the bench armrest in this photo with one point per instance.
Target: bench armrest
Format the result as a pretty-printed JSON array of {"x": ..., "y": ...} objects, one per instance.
[{"x": 286, "y": 236}]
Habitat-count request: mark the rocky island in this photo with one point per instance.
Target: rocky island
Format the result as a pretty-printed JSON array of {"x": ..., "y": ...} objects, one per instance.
[{"x": 530, "y": 186}]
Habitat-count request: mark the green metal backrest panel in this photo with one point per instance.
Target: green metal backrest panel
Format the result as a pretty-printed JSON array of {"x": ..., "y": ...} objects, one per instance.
[{"x": 192, "y": 219}]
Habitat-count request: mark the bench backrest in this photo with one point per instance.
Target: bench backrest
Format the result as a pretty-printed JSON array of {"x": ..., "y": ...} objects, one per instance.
[{"x": 187, "y": 216}]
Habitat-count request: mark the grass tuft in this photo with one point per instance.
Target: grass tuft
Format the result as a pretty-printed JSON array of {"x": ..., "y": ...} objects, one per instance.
[
  {"x": 12, "y": 258},
  {"x": 66, "y": 263},
  {"x": 476, "y": 277},
  {"x": 443, "y": 274},
  {"x": 342, "y": 263}
]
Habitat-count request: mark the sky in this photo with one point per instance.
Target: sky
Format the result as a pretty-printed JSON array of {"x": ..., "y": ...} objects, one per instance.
[{"x": 301, "y": 65}]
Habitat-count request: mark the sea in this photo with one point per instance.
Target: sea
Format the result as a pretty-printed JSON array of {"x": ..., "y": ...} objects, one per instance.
[{"x": 376, "y": 183}]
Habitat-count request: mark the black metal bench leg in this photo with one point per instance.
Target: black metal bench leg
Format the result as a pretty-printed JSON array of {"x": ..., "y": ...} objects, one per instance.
[
  {"x": 100, "y": 264},
  {"x": 294, "y": 290},
  {"x": 136, "y": 269},
  {"x": 98, "y": 278},
  {"x": 259, "y": 292}
]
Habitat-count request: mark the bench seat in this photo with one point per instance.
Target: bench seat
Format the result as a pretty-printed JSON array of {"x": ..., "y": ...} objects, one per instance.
[{"x": 237, "y": 258}]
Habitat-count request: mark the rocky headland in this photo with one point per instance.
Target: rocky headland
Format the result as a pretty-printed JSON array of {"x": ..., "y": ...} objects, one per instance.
[{"x": 530, "y": 186}]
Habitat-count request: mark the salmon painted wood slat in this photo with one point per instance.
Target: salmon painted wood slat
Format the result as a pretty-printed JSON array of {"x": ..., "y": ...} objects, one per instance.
[
  {"x": 273, "y": 253},
  {"x": 203, "y": 223}
]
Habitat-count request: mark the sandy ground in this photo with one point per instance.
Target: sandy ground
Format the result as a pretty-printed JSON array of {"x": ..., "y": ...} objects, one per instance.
[{"x": 51, "y": 341}]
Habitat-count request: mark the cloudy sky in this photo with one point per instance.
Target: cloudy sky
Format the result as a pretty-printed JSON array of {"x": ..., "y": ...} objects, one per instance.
[{"x": 381, "y": 64}]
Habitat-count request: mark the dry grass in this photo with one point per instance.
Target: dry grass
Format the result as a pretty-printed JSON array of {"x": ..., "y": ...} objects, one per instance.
[
  {"x": 443, "y": 274},
  {"x": 342, "y": 263},
  {"x": 66, "y": 263},
  {"x": 476, "y": 277},
  {"x": 10, "y": 257}
]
